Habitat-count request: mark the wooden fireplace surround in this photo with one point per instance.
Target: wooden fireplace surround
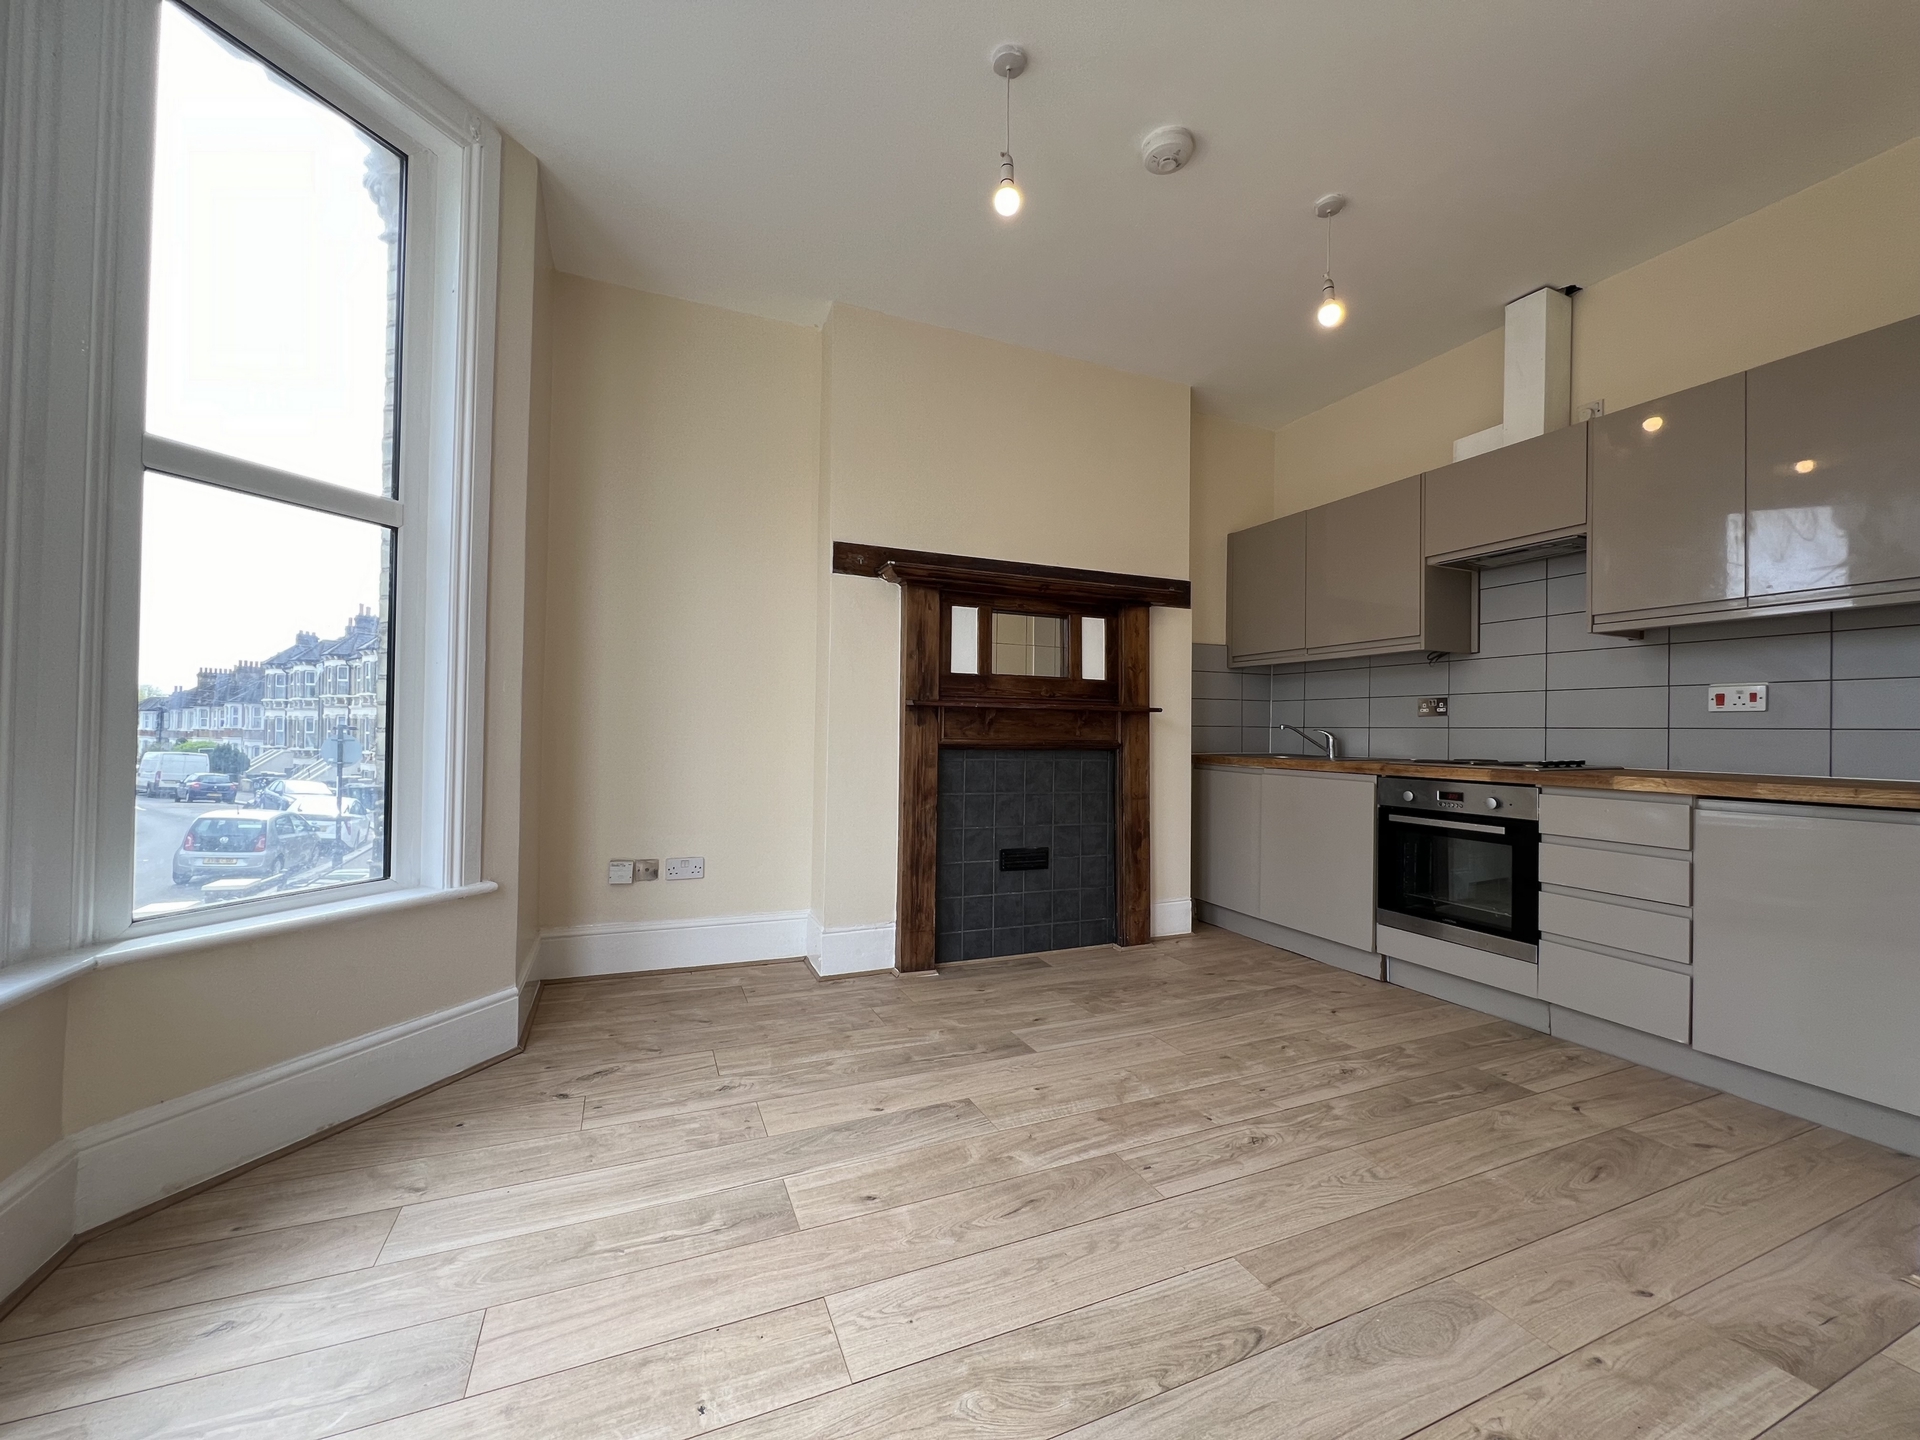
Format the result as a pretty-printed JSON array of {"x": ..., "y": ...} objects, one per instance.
[{"x": 1015, "y": 712}]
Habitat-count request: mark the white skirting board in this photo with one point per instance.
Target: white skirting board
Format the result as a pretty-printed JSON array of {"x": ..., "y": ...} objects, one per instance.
[
  {"x": 36, "y": 1214},
  {"x": 640, "y": 945},
  {"x": 124, "y": 1164},
  {"x": 849, "y": 949},
  {"x": 1172, "y": 917}
]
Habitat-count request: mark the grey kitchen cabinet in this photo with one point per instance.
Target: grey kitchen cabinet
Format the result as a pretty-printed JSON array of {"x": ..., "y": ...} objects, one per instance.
[
  {"x": 1667, "y": 492},
  {"x": 1804, "y": 952},
  {"x": 1267, "y": 591},
  {"x": 1519, "y": 496},
  {"x": 1316, "y": 854},
  {"x": 1369, "y": 589},
  {"x": 1833, "y": 473},
  {"x": 1346, "y": 578},
  {"x": 1227, "y": 837}
]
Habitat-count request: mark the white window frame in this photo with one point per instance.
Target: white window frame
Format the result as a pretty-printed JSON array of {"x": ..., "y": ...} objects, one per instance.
[{"x": 76, "y": 140}]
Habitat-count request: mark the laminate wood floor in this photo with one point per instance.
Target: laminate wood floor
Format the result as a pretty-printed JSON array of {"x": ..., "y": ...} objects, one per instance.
[{"x": 1203, "y": 1189}]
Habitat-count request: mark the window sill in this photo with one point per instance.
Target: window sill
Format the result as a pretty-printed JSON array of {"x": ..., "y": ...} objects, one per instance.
[{"x": 21, "y": 982}]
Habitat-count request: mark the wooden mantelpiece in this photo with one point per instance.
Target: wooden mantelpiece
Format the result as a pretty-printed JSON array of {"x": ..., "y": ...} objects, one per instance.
[{"x": 939, "y": 707}]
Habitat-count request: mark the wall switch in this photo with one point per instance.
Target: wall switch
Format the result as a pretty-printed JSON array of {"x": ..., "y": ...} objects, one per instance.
[
  {"x": 1736, "y": 697},
  {"x": 619, "y": 872},
  {"x": 646, "y": 869},
  {"x": 687, "y": 867},
  {"x": 1432, "y": 705}
]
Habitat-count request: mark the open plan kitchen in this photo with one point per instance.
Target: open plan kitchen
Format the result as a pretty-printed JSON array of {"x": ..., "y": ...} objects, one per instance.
[{"x": 815, "y": 720}]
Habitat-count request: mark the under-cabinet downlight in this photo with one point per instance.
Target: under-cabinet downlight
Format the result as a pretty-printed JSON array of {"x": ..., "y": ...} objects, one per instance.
[{"x": 1653, "y": 423}]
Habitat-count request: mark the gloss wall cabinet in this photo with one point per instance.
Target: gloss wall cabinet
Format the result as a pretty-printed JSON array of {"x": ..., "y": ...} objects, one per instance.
[
  {"x": 1520, "y": 496},
  {"x": 1345, "y": 578},
  {"x": 1267, "y": 591},
  {"x": 1833, "y": 473},
  {"x": 1669, "y": 509}
]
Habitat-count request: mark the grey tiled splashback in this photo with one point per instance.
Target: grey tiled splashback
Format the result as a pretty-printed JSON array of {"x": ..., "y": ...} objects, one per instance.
[{"x": 1843, "y": 691}]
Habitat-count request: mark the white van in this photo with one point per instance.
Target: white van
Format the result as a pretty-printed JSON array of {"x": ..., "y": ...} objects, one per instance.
[{"x": 161, "y": 769}]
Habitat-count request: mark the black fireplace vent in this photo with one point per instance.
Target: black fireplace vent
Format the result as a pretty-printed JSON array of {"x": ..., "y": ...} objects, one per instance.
[{"x": 1032, "y": 858}]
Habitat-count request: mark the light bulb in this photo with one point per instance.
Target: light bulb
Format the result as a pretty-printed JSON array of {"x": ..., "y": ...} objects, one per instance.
[
  {"x": 1331, "y": 312},
  {"x": 1803, "y": 467},
  {"x": 1653, "y": 423},
  {"x": 1007, "y": 198}
]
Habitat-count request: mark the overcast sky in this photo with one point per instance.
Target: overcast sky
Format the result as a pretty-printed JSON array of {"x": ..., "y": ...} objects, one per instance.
[{"x": 267, "y": 337}]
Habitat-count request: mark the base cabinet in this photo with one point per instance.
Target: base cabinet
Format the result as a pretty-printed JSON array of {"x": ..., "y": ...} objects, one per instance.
[
  {"x": 1289, "y": 848},
  {"x": 1226, "y": 822},
  {"x": 1316, "y": 855},
  {"x": 1806, "y": 961}
]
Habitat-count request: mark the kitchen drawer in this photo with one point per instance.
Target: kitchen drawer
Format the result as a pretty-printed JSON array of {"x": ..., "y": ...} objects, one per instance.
[
  {"x": 1666, "y": 878},
  {"x": 1641, "y": 997},
  {"x": 1667, "y": 824},
  {"x": 1618, "y": 927}
]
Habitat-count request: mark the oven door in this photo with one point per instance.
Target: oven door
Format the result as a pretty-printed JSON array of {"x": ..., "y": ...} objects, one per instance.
[{"x": 1475, "y": 882}]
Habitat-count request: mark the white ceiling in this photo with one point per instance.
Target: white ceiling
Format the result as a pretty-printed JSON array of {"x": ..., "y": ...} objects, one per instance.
[{"x": 776, "y": 156}]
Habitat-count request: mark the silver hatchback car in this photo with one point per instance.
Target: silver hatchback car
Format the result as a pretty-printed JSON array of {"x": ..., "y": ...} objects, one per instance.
[{"x": 226, "y": 843}]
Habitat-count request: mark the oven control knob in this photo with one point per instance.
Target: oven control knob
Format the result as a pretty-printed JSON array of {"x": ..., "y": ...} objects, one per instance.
[
  {"x": 1406, "y": 795},
  {"x": 1493, "y": 802}
]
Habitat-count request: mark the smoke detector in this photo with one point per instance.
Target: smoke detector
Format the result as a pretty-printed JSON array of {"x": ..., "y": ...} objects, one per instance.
[{"x": 1166, "y": 149}]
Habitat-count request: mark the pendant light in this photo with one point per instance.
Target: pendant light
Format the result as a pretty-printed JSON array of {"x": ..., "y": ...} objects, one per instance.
[
  {"x": 1008, "y": 62},
  {"x": 1333, "y": 310}
]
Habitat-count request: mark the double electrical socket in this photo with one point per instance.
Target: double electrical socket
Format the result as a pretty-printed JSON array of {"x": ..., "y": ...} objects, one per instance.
[
  {"x": 1750, "y": 696},
  {"x": 1431, "y": 706},
  {"x": 625, "y": 872}
]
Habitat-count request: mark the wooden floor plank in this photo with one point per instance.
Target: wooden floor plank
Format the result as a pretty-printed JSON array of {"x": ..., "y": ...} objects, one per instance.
[
  {"x": 904, "y": 1318},
  {"x": 1377, "y": 1376},
  {"x": 1821, "y": 1304},
  {"x": 673, "y": 1391},
  {"x": 524, "y": 1207},
  {"x": 1049, "y": 1378},
  {"x": 121, "y": 1356},
  {"x": 258, "y": 1205},
  {"x": 302, "y": 1397},
  {"x": 754, "y": 1202},
  {"x": 573, "y": 1327},
  {"x": 87, "y": 1294},
  {"x": 1879, "y": 1401},
  {"x": 1660, "y": 1375},
  {"x": 1192, "y": 1162},
  {"x": 1585, "y": 1281}
]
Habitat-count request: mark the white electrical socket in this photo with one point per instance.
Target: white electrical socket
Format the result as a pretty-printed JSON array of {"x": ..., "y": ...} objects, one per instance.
[
  {"x": 1751, "y": 696},
  {"x": 687, "y": 867},
  {"x": 619, "y": 872}
]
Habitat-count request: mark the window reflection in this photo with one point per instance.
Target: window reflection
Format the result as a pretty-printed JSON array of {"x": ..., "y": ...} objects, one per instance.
[{"x": 1029, "y": 644}]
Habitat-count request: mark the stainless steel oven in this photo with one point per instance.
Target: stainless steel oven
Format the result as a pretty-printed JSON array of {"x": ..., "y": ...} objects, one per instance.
[{"x": 1460, "y": 862}]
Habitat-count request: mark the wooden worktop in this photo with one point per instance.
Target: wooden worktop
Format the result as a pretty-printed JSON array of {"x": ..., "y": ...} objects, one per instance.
[{"x": 1792, "y": 789}]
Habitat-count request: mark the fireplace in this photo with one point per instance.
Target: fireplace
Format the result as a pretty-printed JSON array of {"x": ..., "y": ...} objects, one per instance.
[
  {"x": 1026, "y": 852},
  {"x": 1042, "y": 667}
]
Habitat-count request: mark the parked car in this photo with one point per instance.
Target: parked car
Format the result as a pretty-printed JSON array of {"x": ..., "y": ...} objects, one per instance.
[
  {"x": 355, "y": 825},
  {"x": 226, "y": 843},
  {"x": 208, "y": 785},
  {"x": 161, "y": 770},
  {"x": 279, "y": 794}
]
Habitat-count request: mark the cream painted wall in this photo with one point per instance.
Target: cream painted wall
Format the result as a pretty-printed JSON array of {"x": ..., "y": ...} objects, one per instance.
[
  {"x": 1402, "y": 426},
  {"x": 156, "y": 1029},
  {"x": 1232, "y": 489},
  {"x": 33, "y": 1038},
  {"x": 1834, "y": 259},
  {"x": 681, "y": 590},
  {"x": 936, "y": 440}
]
